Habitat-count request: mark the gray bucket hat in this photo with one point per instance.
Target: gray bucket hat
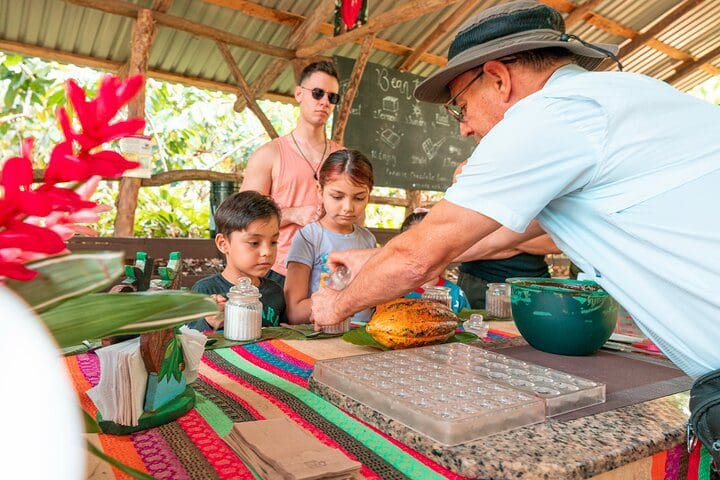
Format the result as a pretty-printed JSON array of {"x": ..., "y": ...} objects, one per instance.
[{"x": 503, "y": 30}]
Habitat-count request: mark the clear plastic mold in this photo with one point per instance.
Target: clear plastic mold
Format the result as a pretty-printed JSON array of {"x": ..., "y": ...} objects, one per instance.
[{"x": 455, "y": 393}]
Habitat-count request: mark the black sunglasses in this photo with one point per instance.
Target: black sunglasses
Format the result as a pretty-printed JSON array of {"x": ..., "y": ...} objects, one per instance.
[{"x": 318, "y": 93}]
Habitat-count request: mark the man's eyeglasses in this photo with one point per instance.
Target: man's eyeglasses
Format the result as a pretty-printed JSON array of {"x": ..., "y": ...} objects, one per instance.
[
  {"x": 455, "y": 110},
  {"x": 319, "y": 93}
]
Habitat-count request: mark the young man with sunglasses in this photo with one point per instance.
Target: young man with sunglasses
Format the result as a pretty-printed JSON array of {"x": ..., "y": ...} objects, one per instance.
[
  {"x": 286, "y": 168},
  {"x": 620, "y": 169}
]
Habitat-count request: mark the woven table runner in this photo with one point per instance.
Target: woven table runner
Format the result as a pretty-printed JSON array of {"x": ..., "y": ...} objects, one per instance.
[{"x": 269, "y": 380}]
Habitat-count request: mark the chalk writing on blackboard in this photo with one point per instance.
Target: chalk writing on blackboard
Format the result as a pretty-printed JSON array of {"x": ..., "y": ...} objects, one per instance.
[{"x": 412, "y": 144}]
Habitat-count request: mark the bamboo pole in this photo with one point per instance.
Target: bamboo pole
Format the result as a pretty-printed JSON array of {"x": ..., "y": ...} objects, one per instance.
[{"x": 352, "y": 88}]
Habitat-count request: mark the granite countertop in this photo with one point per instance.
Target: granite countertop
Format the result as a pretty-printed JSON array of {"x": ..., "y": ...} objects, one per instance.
[{"x": 557, "y": 450}]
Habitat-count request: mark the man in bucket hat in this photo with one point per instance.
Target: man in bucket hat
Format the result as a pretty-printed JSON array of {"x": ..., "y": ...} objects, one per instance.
[{"x": 622, "y": 171}]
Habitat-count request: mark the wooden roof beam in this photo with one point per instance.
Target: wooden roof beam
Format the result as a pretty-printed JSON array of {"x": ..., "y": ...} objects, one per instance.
[
  {"x": 126, "y": 9},
  {"x": 657, "y": 26},
  {"x": 403, "y": 13},
  {"x": 300, "y": 34},
  {"x": 262, "y": 12},
  {"x": 688, "y": 67},
  {"x": 113, "y": 66},
  {"x": 446, "y": 25},
  {"x": 579, "y": 13},
  {"x": 245, "y": 90},
  {"x": 615, "y": 28},
  {"x": 292, "y": 19}
]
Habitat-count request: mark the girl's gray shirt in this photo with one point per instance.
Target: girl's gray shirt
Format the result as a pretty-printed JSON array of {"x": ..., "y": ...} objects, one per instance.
[{"x": 313, "y": 241}]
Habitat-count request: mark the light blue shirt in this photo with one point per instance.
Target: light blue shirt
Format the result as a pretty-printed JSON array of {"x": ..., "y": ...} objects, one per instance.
[
  {"x": 313, "y": 241},
  {"x": 623, "y": 172}
]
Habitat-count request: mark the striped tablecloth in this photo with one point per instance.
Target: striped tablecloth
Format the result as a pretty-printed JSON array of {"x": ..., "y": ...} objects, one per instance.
[{"x": 269, "y": 380}]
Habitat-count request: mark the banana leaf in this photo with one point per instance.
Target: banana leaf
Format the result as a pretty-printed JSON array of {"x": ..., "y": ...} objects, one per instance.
[
  {"x": 217, "y": 340},
  {"x": 66, "y": 276},
  {"x": 101, "y": 314},
  {"x": 360, "y": 336}
]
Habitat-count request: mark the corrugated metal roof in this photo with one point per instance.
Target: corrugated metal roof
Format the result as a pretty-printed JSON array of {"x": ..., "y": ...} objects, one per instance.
[{"x": 58, "y": 27}]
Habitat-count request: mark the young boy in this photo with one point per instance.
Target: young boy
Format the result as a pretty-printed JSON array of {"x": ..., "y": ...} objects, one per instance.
[{"x": 248, "y": 225}]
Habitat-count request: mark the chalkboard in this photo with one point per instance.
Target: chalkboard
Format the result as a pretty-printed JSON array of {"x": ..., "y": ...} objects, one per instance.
[{"x": 413, "y": 145}]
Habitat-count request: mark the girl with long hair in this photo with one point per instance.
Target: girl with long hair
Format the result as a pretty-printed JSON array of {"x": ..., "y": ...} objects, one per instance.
[{"x": 344, "y": 184}]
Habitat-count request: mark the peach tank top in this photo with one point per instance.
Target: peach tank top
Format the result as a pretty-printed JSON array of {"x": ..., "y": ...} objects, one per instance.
[{"x": 294, "y": 187}]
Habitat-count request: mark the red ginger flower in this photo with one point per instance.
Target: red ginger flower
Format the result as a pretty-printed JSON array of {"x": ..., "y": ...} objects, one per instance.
[
  {"x": 67, "y": 164},
  {"x": 34, "y": 222},
  {"x": 95, "y": 115}
]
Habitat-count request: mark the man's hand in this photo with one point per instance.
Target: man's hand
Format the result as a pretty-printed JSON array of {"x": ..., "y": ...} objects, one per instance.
[
  {"x": 322, "y": 310},
  {"x": 352, "y": 259},
  {"x": 302, "y": 215}
]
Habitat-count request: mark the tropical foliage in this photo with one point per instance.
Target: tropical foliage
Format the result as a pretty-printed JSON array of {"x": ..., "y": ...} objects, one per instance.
[{"x": 190, "y": 127}]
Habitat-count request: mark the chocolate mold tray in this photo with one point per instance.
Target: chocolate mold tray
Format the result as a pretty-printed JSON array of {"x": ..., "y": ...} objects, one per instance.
[
  {"x": 561, "y": 391},
  {"x": 455, "y": 393},
  {"x": 446, "y": 404}
]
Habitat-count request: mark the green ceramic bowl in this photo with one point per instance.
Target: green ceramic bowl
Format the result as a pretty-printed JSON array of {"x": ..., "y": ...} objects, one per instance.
[{"x": 567, "y": 317}]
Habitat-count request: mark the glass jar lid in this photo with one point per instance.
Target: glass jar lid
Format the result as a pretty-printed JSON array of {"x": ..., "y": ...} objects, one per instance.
[{"x": 244, "y": 290}]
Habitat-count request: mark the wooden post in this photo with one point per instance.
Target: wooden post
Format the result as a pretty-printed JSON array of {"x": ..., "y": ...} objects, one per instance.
[
  {"x": 129, "y": 187},
  {"x": 245, "y": 90},
  {"x": 297, "y": 66},
  {"x": 349, "y": 95},
  {"x": 413, "y": 200},
  {"x": 300, "y": 34}
]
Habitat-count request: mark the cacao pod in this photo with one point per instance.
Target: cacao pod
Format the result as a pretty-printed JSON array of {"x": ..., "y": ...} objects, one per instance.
[{"x": 407, "y": 323}]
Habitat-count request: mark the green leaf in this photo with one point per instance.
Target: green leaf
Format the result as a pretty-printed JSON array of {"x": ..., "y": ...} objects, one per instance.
[
  {"x": 91, "y": 425},
  {"x": 117, "y": 464},
  {"x": 462, "y": 337},
  {"x": 12, "y": 60},
  {"x": 217, "y": 340},
  {"x": 63, "y": 277},
  {"x": 359, "y": 336},
  {"x": 170, "y": 366},
  {"x": 101, "y": 314}
]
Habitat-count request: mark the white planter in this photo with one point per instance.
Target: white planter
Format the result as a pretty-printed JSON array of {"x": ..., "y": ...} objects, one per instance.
[{"x": 39, "y": 410}]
